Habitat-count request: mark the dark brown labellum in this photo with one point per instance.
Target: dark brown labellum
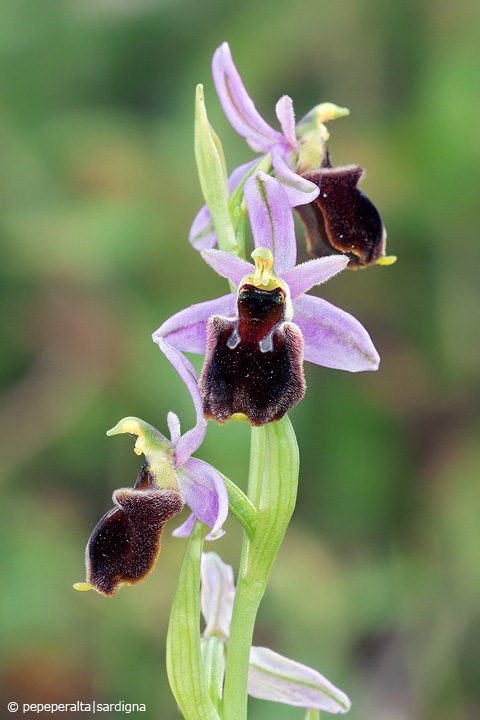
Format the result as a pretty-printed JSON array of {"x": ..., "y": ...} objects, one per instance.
[
  {"x": 342, "y": 219},
  {"x": 253, "y": 364},
  {"x": 125, "y": 544}
]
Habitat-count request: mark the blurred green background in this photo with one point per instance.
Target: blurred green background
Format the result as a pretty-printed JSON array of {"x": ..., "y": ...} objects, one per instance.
[{"x": 378, "y": 582}]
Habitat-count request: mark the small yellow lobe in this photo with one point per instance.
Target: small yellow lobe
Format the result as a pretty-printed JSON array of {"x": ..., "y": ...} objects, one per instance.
[
  {"x": 328, "y": 111},
  {"x": 83, "y": 586},
  {"x": 387, "y": 260},
  {"x": 239, "y": 417},
  {"x": 132, "y": 427}
]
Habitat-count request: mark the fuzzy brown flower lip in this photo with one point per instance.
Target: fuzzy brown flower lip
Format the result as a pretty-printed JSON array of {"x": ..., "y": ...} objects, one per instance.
[
  {"x": 125, "y": 544},
  {"x": 254, "y": 363},
  {"x": 342, "y": 219}
]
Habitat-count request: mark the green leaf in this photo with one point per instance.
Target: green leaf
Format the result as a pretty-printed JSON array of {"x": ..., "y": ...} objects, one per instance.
[
  {"x": 277, "y": 484},
  {"x": 184, "y": 660},
  {"x": 241, "y": 507}
]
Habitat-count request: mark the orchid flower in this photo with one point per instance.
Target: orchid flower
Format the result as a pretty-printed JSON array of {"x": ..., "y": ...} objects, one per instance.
[
  {"x": 257, "y": 337},
  {"x": 271, "y": 676},
  {"x": 244, "y": 118},
  {"x": 125, "y": 544},
  {"x": 338, "y": 217}
]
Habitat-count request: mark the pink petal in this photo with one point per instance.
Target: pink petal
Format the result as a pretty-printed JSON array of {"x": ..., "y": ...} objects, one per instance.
[
  {"x": 202, "y": 233},
  {"x": 332, "y": 337},
  {"x": 299, "y": 191},
  {"x": 203, "y": 489},
  {"x": 228, "y": 265},
  {"x": 276, "y": 678},
  {"x": 192, "y": 439},
  {"x": 237, "y": 104},
  {"x": 217, "y": 595},
  {"x": 313, "y": 272},
  {"x": 173, "y": 423},
  {"x": 190, "y": 442},
  {"x": 187, "y": 329},
  {"x": 271, "y": 219},
  {"x": 185, "y": 529},
  {"x": 286, "y": 116}
]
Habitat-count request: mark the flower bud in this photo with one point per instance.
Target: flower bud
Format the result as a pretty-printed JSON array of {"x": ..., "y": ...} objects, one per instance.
[{"x": 213, "y": 175}]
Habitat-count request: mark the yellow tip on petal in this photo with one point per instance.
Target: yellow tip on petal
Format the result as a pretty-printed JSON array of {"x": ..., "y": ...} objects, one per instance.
[
  {"x": 239, "y": 417},
  {"x": 127, "y": 425},
  {"x": 387, "y": 260},
  {"x": 158, "y": 451},
  {"x": 328, "y": 111},
  {"x": 83, "y": 586},
  {"x": 131, "y": 426}
]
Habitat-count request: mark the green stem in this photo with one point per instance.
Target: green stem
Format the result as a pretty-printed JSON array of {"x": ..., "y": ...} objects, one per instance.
[
  {"x": 184, "y": 661},
  {"x": 273, "y": 489}
]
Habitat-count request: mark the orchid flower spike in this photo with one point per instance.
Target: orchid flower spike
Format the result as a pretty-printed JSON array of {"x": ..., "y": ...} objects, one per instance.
[
  {"x": 125, "y": 544},
  {"x": 271, "y": 676},
  {"x": 255, "y": 339},
  {"x": 338, "y": 217}
]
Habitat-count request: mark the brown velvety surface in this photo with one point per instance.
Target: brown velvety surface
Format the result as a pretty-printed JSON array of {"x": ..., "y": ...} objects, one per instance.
[{"x": 125, "y": 544}]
